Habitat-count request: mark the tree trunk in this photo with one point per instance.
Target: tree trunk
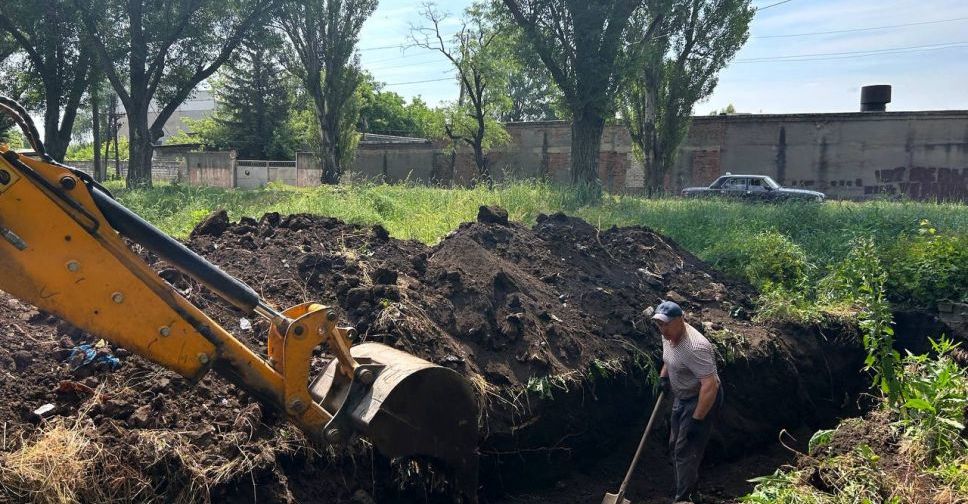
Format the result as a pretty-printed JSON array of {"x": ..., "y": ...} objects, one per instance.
[
  {"x": 483, "y": 173},
  {"x": 99, "y": 172},
  {"x": 656, "y": 167},
  {"x": 113, "y": 124},
  {"x": 586, "y": 141},
  {"x": 53, "y": 141},
  {"x": 139, "y": 149},
  {"x": 327, "y": 135},
  {"x": 650, "y": 143},
  {"x": 107, "y": 148}
]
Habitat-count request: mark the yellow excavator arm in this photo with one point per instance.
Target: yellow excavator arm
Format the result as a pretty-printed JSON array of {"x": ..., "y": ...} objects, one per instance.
[{"x": 61, "y": 249}]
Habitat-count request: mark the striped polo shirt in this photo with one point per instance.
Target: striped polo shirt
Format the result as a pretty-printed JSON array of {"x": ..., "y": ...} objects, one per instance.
[{"x": 688, "y": 362}]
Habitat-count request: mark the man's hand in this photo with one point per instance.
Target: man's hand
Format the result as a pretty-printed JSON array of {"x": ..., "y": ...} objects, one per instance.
[
  {"x": 666, "y": 385},
  {"x": 694, "y": 428},
  {"x": 707, "y": 396}
]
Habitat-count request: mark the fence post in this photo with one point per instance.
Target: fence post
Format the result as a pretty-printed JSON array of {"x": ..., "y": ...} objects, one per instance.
[{"x": 233, "y": 161}]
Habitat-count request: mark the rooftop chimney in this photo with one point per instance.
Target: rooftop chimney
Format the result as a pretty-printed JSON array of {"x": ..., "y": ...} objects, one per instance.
[{"x": 875, "y": 98}]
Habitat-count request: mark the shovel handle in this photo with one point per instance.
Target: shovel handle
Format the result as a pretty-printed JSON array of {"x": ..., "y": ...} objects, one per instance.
[{"x": 638, "y": 452}]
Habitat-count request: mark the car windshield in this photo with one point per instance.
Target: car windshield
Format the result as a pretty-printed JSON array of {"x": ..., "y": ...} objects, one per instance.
[{"x": 767, "y": 181}]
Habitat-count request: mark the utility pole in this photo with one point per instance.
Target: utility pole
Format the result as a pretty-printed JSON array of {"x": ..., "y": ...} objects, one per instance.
[{"x": 100, "y": 171}]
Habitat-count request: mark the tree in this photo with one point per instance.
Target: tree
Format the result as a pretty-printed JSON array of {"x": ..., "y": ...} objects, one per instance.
[
  {"x": 728, "y": 109},
  {"x": 156, "y": 52},
  {"x": 470, "y": 51},
  {"x": 252, "y": 101},
  {"x": 60, "y": 63},
  {"x": 382, "y": 112},
  {"x": 7, "y": 49},
  {"x": 674, "y": 70},
  {"x": 323, "y": 36},
  {"x": 531, "y": 93},
  {"x": 387, "y": 113},
  {"x": 581, "y": 43}
]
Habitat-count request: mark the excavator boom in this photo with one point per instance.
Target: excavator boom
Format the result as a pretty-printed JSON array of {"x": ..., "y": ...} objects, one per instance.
[{"x": 62, "y": 250}]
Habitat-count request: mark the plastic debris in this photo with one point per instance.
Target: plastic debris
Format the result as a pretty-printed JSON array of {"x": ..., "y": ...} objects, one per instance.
[
  {"x": 245, "y": 324},
  {"x": 44, "y": 410},
  {"x": 88, "y": 356}
]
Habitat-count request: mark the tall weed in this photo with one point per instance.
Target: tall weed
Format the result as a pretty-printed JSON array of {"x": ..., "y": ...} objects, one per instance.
[
  {"x": 929, "y": 266},
  {"x": 936, "y": 392}
]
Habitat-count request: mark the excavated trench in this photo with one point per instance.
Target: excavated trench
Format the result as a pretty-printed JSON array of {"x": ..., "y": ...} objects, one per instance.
[{"x": 548, "y": 322}]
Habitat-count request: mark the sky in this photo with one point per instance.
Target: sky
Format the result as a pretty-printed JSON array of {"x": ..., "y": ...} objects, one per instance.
[{"x": 785, "y": 67}]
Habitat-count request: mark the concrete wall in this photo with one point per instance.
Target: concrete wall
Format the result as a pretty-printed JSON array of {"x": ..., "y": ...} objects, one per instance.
[
  {"x": 395, "y": 163},
  {"x": 308, "y": 171},
  {"x": 922, "y": 155},
  {"x": 160, "y": 170},
  {"x": 215, "y": 169},
  {"x": 252, "y": 174}
]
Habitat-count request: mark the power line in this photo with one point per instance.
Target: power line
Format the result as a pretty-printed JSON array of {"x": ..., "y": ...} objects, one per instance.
[
  {"x": 403, "y": 56},
  {"x": 781, "y": 2},
  {"x": 412, "y": 63},
  {"x": 843, "y": 53},
  {"x": 418, "y": 82},
  {"x": 860, "y": 29},
  {"x": 398, "y": 46},
  {"x": 853, "y": 54},
  {"x": 380, "y": 48}
]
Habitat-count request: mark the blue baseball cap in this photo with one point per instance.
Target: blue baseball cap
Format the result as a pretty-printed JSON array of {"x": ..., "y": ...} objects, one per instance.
[{"x": 666, "y": 311}]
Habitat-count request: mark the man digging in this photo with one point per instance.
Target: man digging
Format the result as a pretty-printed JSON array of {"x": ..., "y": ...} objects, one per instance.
[{"x": 689, "y": 374}]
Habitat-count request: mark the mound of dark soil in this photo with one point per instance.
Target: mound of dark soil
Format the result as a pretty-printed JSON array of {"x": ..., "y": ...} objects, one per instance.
[{"x": 550, "y": 320}]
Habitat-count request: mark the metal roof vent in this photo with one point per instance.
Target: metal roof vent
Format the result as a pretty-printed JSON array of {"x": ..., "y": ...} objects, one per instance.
[{"x": 875, "y": 98}]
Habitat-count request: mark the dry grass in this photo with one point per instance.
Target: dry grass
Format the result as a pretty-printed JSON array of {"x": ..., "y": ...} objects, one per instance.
[
  {"x": 56, "y": 467},
  {"x": 68, "y": 461},
  {"x": 192, "y": 472}
]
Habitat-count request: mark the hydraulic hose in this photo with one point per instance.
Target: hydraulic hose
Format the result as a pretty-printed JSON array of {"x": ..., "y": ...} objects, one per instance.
[{"x": 181, "y": 257}]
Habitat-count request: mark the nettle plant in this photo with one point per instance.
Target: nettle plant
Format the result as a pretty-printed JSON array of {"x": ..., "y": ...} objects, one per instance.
[
  {"x": 863, "y": 278},
  {"x": 936, "y": 389}
]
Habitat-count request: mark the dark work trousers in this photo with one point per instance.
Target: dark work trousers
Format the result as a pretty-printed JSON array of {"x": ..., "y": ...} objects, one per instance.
[{"x": 687, "y": 452}]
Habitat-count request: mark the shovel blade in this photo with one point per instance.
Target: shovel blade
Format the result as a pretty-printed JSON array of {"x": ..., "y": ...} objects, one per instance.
[
  {"x": 413, "y": 408},
  {"x": 613, "y": 499}
]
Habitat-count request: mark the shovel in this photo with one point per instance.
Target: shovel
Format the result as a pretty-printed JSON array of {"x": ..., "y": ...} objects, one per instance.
[{"x": 619, "y": 498}]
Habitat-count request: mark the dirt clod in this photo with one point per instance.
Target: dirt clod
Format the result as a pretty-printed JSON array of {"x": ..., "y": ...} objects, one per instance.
[
  {"x": 213, "y": 225},
  {"x": 492, "y": 215}
]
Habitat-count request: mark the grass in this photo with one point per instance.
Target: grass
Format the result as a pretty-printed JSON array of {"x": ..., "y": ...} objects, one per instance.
[
  {"x": 53, "y": 468},
  {"x": 794, "y": 241},
  {"x": 427, "y": 214}
]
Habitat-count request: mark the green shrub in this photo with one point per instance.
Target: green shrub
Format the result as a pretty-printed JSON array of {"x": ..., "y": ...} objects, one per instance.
[
  {"x": 779, "y": 304},
  {"x": 929, "y": 266},
  {"x": 767, "y": 259}
]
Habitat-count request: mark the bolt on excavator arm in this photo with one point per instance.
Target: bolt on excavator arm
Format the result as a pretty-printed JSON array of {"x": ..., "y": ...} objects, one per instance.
[{"x": 61, "y": 249}]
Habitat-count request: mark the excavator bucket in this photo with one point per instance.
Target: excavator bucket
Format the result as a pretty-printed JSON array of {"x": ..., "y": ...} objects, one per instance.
[{"x": 413, "y": 408}]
